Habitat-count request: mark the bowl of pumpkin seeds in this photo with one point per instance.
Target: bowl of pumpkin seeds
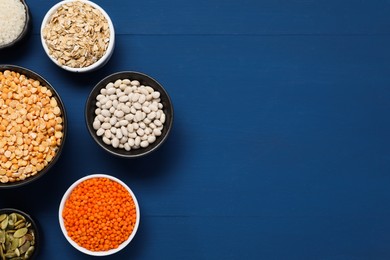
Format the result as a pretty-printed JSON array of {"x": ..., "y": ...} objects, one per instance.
[{"x": 18, "y": 235}]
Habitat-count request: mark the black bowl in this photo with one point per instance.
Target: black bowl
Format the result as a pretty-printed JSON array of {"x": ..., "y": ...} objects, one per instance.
[
  {"x": 25, "y": 31},
  {"x": 33, "y": 75},
  {"x": 34, "y": 228},
  {"x": 144, "y": 80}
]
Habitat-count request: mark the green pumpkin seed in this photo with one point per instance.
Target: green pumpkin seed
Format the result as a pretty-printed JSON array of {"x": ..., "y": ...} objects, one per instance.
[
  {"x": 10, "y": 255},
  {"x": 23, "y": 249},
  {"x": 22, "y": 240},
  {"x": 20, "y": 222},
  {"x": 20, "y": 232},
  {"x": 2, "y": 217},
  {"x": 21, "y": 217},
  {"x": 29, "y": 237},
  {"x": 7, "y": 244},
  {"x": 4, "y": 223},
  {"x": 29, "y": 252},
  {"x": 21, "y": 225},
  {"x": 2, "y": 236},
  {"x": 16, "y": 237},
  {"x": 14, "y": 244},
  {"x": 12, "y": 217}
]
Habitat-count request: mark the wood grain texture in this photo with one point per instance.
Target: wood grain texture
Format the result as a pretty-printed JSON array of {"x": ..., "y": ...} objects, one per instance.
[{"x": 280, "y": 145}]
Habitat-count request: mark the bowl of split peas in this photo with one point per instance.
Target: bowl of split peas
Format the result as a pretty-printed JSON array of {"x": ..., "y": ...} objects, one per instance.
[
  {"x": 33, "y": 126},
  {"x": 99, "y": 215}
]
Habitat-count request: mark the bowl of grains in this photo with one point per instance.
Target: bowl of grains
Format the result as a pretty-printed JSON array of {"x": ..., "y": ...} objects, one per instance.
[
  {"x": 15, "y": 22},
  {"x": 78, "y": 35},
  {"x": 129, "y": 114},
  {"x": 19, "y": 236},
  {"x": 32, "y": 126},
  {"x": 99, "y": 215}
]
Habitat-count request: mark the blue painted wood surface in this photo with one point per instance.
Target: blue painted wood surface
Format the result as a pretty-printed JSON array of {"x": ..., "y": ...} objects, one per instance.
[{"x": 280, "y": 146}]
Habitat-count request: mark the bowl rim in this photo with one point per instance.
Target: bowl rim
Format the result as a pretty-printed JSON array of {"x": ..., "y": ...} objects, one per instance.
[
  {"x": 34, "y": 224},
  {"x": 62, "y": 225},
  {"x": 23, "y": 33},
  {"x": 46, "y": 169},
  {"x": 98, "y": 140},
  {"x": 110, "y": 49}
]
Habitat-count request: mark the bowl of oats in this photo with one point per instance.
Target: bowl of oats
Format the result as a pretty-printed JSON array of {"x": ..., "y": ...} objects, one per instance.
[{"x": 78, "y": 35}]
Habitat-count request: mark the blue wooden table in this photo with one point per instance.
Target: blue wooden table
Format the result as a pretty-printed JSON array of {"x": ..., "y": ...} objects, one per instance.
[{"x": 280, "y": 147}]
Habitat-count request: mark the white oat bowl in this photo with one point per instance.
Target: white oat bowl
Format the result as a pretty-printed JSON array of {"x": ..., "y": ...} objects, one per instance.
[{"x": 78, "y": 35}]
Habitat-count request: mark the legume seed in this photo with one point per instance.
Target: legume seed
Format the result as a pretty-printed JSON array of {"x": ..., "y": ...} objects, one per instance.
[
  {"x": 119, "y": 134},
  {"x": 113, "y": 120},
  {"x": 108, "y": 133},
  {"x": 162, "y": 118},
  {"x": 157, "y": 122},
  {"x": 105, "y": 113},
  {"x": 140, "y": 132},
  {"x": 156, "y": 94},
  {"x": 123, "y": 98},
  {"x": 106, "y": 126},
  {"x": 123, "y": 122},
  {"x": 100, "y": 132},
  {"x": 126, "y": 82},
  {"x": 157, "y": 132},
  {"x": 124, "y": 130},
  {"x": 137, "y": 105},
  {"x": 115, "y": 142},
  {"x": 119, "y": 113},
  {"x": 127, "y": 146},
  {"x": 96, "y": 124},
  {"x": 125, "y": 109},
  {"x": 117, "y": 83},
  {"x": 146, "y": 109},
  {"x": 135, "y": 83},
  {"x": 106, "y": 140},
  {"x": 137, "y": 141}
]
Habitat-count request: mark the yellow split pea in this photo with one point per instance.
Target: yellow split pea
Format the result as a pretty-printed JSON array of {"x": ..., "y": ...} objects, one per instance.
[{"x": 30, "y": 126}]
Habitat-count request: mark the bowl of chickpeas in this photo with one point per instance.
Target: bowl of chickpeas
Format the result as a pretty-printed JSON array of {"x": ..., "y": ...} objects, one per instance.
[
  {"x": 129, "y": 114},
  {"x": 32, "y": 126}
]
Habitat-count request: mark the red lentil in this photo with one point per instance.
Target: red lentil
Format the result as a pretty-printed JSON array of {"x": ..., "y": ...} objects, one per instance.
[{"x": 99, "y": 214}]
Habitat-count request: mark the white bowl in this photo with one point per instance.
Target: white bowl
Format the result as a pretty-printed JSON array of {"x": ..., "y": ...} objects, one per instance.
[
  {"x": 82, "y": 249},
  {"x": 110, "y": 49}
]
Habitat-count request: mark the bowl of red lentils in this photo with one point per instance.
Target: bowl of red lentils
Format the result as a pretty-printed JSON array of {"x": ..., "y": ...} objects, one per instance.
[
  {"x": 99, "y": 215},
  {"x": 32, "y": 126}
]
